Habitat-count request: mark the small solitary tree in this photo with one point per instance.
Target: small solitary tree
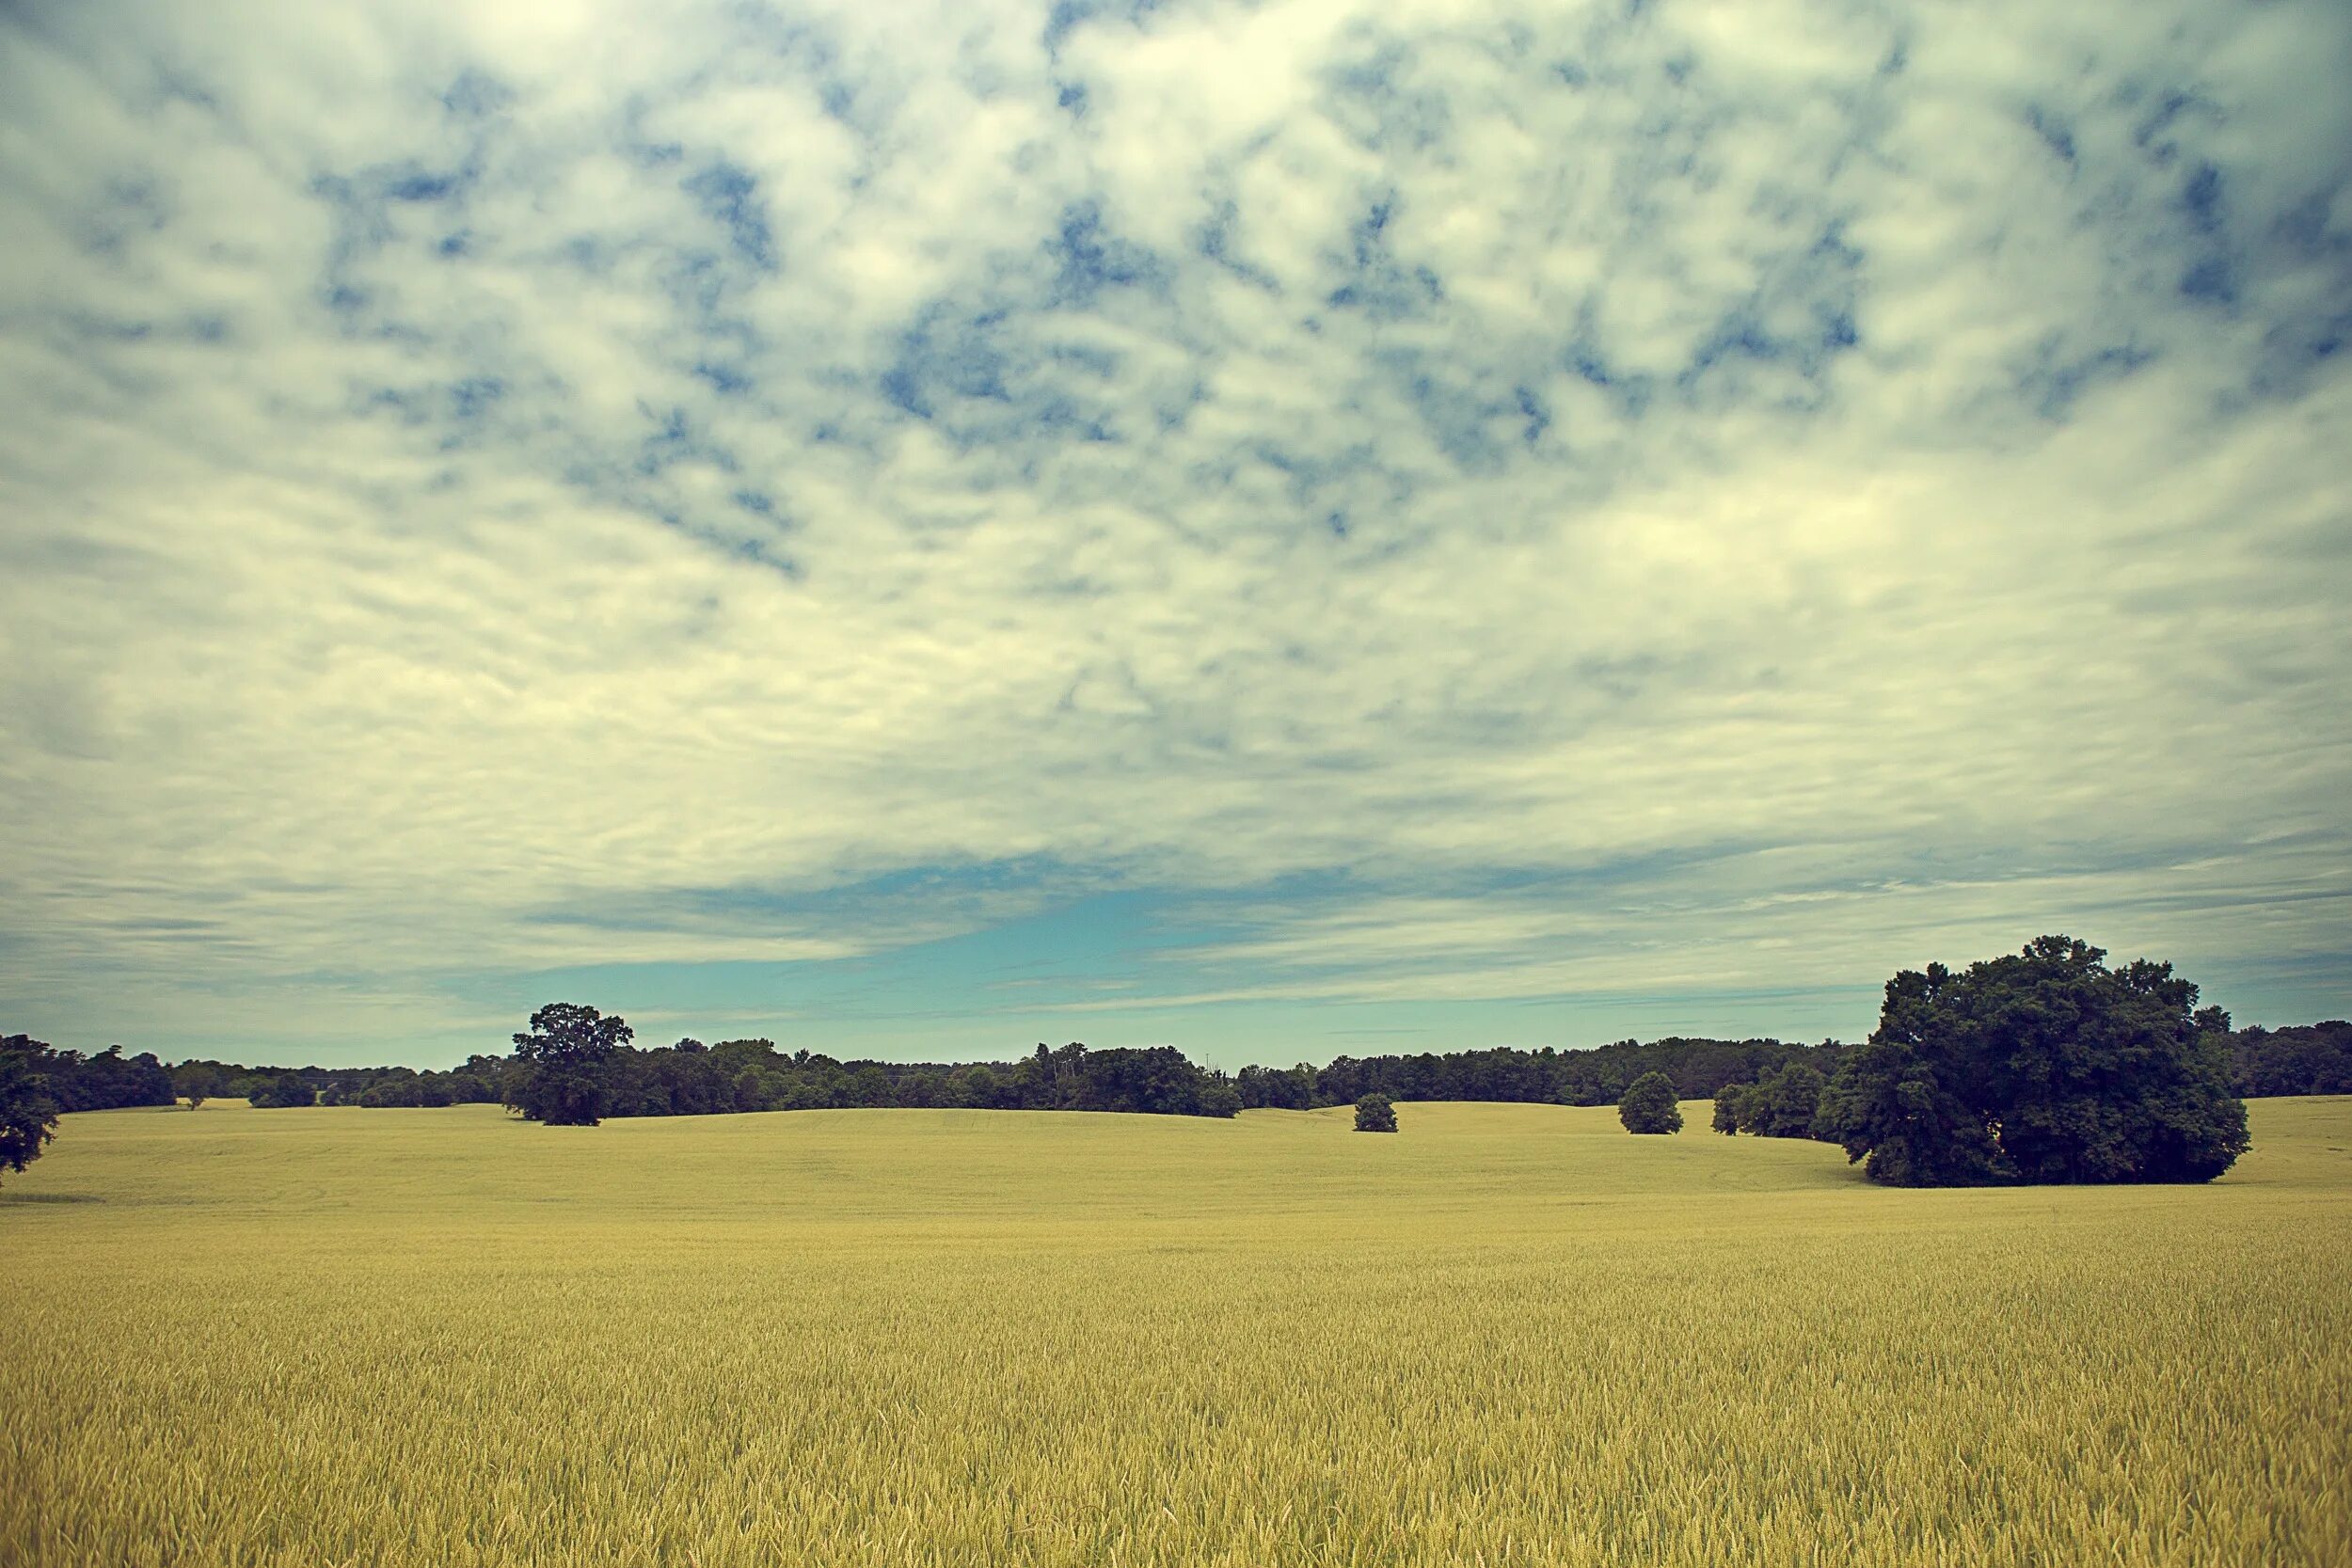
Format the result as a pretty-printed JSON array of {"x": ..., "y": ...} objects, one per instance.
[
  {"x": 1650, "y": 1105},
  {"x": 1374, "y": 1113},
  {"x": 559, "y": 1078}
]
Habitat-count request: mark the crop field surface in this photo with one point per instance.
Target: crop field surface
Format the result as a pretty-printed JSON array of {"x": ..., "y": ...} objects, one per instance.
[{"x": 1508, "y": 1334}]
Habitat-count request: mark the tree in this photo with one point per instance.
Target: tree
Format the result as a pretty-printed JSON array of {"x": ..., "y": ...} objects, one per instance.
[
  {"x": 560, "y": 1082},
  {"x": 1278, "y": 1088},
  {"x": 1650, "y": 1105},
  {"x": 1729, "y": 1099},
  {"x": 2314, "y": 1059},
  {"x": 2044, "y": 1065},
  {"x": 279, "y": 1093},
  {"x": 400, "y": 1088},
  {"x": 870, "y": 1086},
  {"x": 1782, "y": 1104},
  {"x": 1375, "y": 1113},
  {"x": 108, "y": 1080},
  {"x": 28, "y": 1112},
  {"x": 976, "y": 1086},
  {"x": 197, "y": 1082}
]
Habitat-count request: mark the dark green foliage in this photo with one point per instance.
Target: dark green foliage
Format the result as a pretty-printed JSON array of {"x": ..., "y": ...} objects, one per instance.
[
  {"x": 476, "y": 1082},
  {"x": 1156, "y": 1079},
  {"x": 693, "y": 1079},
  {"x": 558, "y": 1077},
  {"x": 198, "y": 1082},
  {"x": 2311, "y": 1058},
  {"x": 282, "y": 1092},
  {"x": 2045, "y": 1065},
  {"x": 28, "y": 1110},
  {"x": 1697, "y": 1069},
  {"x": 1277, "y": 1088},
  {"x": 402, "y": 1087},
  {"x": 1782, "y": 1104},
  {"x": 1374, "y": 1113},
  {"x": 108, "y": 1080},
  {"x": 1649, "y": 1106}
]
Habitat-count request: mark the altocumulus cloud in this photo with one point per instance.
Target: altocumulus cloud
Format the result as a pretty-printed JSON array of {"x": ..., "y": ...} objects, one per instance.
[{"x": 1424, "y": 506}]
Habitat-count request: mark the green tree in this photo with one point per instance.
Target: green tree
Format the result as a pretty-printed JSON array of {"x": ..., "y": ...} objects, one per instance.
[
  {"x": 559, "y": 1083},
  {"x": 197, "y": 1082},
  {"x": 2044, "y": 1065},
  {"x": 1375, "y": 1113},
  {"x": 1219, "y": 1098},
  {"x": 870, "y": 1086},
  {"x": 28, "y": 1112},
  {"x": 285, "y": 1090},
  {"x": 975, "y": 1087},
  {"x": 1784, "y": 1104},
  {"x": 1729, "y": 1101},
  {"x": 1650, "y": 1105}
]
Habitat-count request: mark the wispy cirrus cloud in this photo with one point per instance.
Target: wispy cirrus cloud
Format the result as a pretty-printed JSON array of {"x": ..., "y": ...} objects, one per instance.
[{"x": 1440, "y": 506}]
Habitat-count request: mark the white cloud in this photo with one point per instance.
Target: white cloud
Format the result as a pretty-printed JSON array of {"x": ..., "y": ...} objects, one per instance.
[{"x": 475, "y": 467}]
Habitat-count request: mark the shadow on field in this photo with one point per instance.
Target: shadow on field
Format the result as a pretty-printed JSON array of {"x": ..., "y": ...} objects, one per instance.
[{"x": 9, "y": 1198}]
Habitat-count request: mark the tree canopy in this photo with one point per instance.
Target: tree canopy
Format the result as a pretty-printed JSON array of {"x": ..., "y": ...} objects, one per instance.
[
  {"x": 2307, "y": 1058},
  {"x": 103, "y": 1081},
  {"x": 28, "y": 1112},
  {"x": 557, "y": 1081},
  {"x": 1375, "y": 1113},
  {"x": 2044, "y": 1065},
  {"x": 1781, "y": 1105},
  {"x": 1650, "y": 1105},
  {"x": 283, "y": 1092}
]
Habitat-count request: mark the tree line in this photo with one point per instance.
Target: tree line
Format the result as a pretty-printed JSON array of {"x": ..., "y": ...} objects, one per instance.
[
  {"x": 689, "y": 1078},
  {"x": 1597, "y": 1076},
  {"x": 106, "y": 1080},
  {"x": 576, "y": 1064},
  {"x": 2042, "y": 1066},
  {"x": 2309, "y": 1058}
]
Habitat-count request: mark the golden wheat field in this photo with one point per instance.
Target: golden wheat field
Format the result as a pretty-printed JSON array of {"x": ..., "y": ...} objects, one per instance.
[{"x": 1509, "y": 1334}]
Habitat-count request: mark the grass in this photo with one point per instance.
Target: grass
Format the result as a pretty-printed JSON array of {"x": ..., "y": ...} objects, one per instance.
[{"x": 1508, "y": 1334}]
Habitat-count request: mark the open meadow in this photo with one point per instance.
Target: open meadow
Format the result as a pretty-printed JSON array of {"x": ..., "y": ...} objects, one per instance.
[{"x": 1512, "y": 1333}]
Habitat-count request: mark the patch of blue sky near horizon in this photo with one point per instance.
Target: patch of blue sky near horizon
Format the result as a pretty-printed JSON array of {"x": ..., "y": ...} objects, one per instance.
[{"x": 1473, "y": 513}]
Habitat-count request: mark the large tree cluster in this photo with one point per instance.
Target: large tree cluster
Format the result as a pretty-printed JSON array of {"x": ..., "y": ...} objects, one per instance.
[{"x": 2043, "y": 1065}]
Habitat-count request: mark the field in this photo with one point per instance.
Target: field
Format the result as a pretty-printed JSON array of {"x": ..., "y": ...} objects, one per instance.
[{"x": 1509, "y": 1334}]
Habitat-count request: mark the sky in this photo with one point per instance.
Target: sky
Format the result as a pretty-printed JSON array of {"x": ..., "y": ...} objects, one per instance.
[{"x": 1288, "y": 530}]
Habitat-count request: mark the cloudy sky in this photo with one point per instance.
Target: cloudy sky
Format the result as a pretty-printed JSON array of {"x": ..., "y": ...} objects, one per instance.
[{"x": 1287, "y": 529}]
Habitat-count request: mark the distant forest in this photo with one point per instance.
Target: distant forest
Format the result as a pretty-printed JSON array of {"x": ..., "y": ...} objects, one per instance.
[{"x": 693, "y": 1079}]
